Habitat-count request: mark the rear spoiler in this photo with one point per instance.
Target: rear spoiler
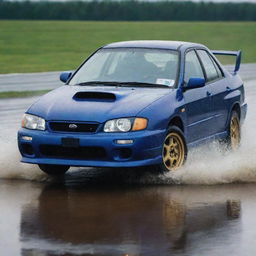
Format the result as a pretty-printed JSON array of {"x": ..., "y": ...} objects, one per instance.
[{"x": 231, "y": 53}]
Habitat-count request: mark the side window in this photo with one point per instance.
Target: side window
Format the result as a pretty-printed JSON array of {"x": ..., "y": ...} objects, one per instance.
[
  {"x": 209, "y": 67},
  {"x": 192, "y": 67},
  {"x": 220, "y": 74}
]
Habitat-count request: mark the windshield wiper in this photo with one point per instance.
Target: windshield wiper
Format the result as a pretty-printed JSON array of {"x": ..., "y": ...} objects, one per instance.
[
  {"x": 109, "y": 83},
  {"x": 125, "y": 84},
  {"x": 142, "y": 84}
]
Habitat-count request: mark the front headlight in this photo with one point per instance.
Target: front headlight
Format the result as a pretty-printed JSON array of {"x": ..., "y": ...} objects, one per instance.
[
  {"x": 125, "y": 125},
  {"x": 33, "y": 122}
]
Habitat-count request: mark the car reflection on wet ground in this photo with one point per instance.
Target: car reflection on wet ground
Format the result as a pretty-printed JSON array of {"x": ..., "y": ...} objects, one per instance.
[{"x": 84, "y": 216}]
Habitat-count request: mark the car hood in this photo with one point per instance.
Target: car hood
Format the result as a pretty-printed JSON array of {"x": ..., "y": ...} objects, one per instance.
[{"x": 95, "y": 104}]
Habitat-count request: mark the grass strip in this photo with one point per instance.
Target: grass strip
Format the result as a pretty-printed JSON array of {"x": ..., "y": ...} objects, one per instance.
[
  {"x": 35, "y": 46},
  {"x": 22, "y": 94}
]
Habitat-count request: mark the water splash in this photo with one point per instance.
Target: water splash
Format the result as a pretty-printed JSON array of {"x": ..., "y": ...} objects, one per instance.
[
  {"x": 10, "y": 166},
  {"x": 210, "y": 165}
]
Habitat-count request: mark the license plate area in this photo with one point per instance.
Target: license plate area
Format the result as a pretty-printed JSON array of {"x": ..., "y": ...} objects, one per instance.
[{"x": 70, "y": 142}]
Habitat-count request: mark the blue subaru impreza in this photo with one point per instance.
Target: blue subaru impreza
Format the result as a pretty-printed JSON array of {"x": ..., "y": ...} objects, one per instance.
[{"x": 135, "y": 103}]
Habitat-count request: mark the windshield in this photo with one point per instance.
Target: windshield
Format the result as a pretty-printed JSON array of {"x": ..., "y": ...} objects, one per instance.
[{"x": 127, "y": 65}]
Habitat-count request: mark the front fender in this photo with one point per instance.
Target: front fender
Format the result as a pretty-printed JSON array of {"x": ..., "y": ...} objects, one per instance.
[{"x": 162, "y": 111}]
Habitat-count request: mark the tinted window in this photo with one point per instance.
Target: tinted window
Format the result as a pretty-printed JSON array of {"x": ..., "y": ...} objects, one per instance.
[
  {"x": 209, "y": 67},
  {"x": 192, "y": 67}
]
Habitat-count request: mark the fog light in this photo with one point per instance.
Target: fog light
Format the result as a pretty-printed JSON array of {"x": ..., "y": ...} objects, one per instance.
[
  {"x": 123, "y": 142},
  {"x": 27, "y": 138}
]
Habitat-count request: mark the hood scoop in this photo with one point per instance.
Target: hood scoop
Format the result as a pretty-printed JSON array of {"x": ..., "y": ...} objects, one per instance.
[{"x": 94, "y": 96}]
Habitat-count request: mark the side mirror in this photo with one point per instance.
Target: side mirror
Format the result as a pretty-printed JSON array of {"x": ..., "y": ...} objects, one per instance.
[
  {"x": 65, "y": 76},
  {"x": 195, "y": 82}
]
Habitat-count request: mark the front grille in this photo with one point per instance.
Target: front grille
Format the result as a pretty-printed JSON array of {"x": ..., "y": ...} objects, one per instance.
[
  {"x": 80, "y": 153},
  {"x": 72, "y": 127}
]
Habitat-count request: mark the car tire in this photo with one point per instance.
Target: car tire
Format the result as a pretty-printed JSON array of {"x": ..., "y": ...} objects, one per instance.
[
  {"x": 54, "y": 170},
  {"x": 174, "y": 150},
  {"x": 234, "y": 132}
]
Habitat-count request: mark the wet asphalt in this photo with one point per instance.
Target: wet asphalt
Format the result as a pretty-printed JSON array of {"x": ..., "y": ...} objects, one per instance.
[
  {"x": 120, "y": 211},
  {"x": 105, "y": 218}
]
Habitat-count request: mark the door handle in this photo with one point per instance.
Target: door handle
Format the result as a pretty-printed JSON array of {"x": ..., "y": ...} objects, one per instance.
[
  {"x": 208, "y": 93},
  {"x": 228, "y": 89}
]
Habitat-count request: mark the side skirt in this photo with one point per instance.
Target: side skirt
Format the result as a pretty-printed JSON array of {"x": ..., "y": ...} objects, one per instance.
[{"x": 217, "y": 136}]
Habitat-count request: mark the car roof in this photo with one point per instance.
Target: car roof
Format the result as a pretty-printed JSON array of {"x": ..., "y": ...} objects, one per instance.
[{"x": 155, "y": 44}]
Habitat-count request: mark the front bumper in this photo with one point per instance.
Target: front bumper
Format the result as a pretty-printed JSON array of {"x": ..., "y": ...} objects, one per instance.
[{"x": 146, "y": 148}]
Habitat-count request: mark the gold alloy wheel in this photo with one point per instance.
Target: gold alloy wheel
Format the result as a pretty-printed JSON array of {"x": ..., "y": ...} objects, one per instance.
[
  {"x": 173, "y": 151},
  {"x": 234, "y": 132}
]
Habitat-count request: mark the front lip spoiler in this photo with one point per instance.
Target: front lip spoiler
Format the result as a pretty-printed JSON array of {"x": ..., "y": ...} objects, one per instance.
[{"x": 90, "y": 163}]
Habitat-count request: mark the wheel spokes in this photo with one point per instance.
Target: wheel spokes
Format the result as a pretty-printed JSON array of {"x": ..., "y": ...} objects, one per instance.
[
  {"x": 234, "y": 132},
  {"x": 173, "y": 151}
]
